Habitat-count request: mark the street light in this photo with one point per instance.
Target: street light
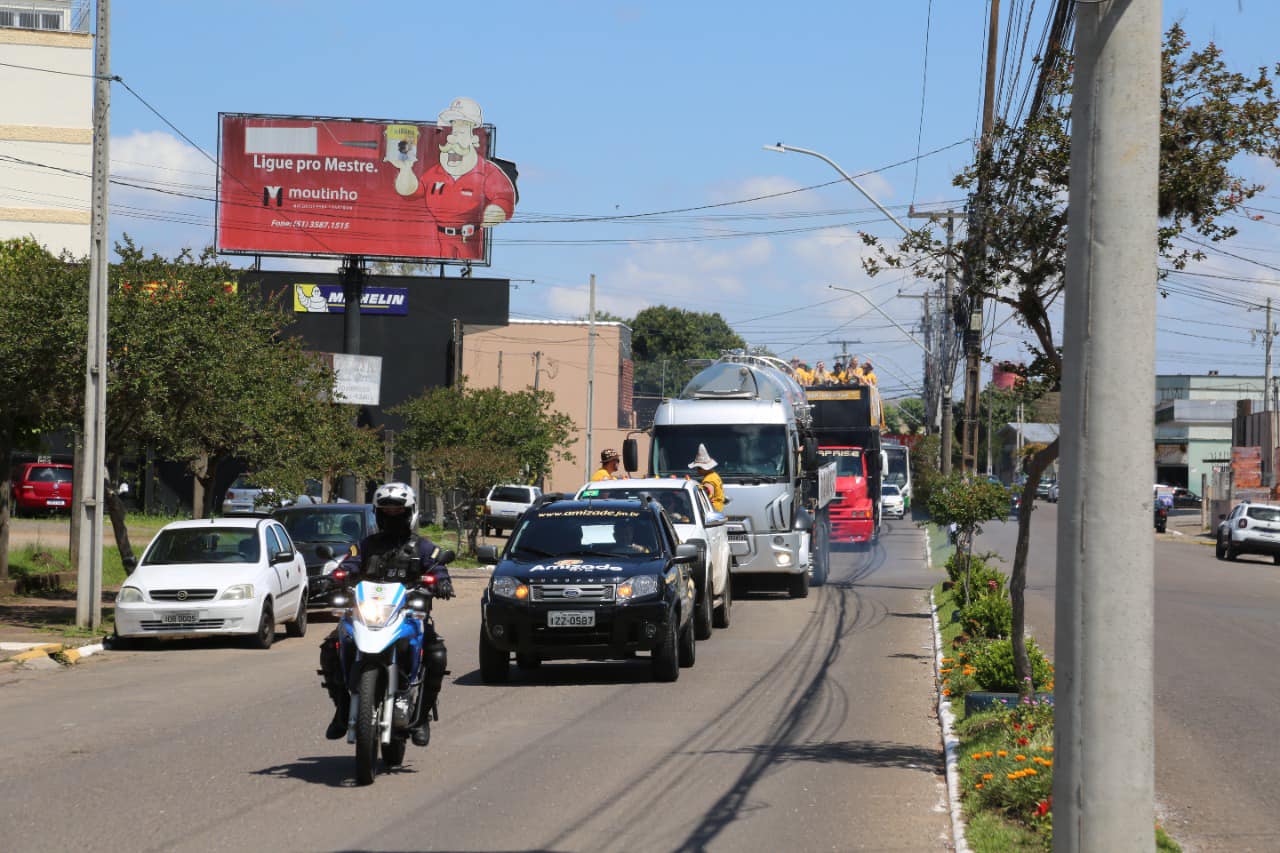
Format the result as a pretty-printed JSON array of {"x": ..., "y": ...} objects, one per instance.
[
  {"x": 912, "y": 337},
  {"x": 832, "y": 163}
]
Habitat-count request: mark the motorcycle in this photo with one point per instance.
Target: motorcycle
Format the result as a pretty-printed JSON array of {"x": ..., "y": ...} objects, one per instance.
[
  {"x": 381, "y": 634},
  {"x": 1162, "y": 518}
]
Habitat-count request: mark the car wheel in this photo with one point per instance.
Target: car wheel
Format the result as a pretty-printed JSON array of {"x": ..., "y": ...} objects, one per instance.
[
  {"x": 298, "y": 627},
  {"x": 266, "y": 633},
  {"x": 688, "y": 646},
  {"x": 1219, "y": 550},
  {"x": 798, "y": 587},
  {"x": 1275, "y": 558},
  {"x": 664, "y": 657},
  {"x": 726, "y": 603},
  {"x": 702, "y": 613},
  {"x": 495, "y": 663},
  {"x": 1232, "y": 553}
]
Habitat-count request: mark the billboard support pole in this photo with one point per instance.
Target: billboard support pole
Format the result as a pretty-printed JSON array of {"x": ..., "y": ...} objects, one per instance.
[{"x": 352, "y": 277}]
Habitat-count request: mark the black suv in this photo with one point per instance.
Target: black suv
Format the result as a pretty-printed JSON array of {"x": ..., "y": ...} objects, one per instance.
[{"x": 593, "y": 579}]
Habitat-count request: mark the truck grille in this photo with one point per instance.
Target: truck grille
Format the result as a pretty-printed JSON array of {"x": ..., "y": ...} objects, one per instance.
[
  {"x": 183, "y": 594},
  {"x": 571, "y": 592}
]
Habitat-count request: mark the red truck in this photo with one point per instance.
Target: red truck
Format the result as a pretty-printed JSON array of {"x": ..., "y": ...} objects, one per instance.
[
  {"x": 852, "y": 514},
  {"x": 847, "y": 421}
]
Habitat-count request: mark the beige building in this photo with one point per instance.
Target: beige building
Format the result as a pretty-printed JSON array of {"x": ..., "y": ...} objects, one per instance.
[
  {"x": 46, "y": 122},
  {"x": 552, "y": 355}
]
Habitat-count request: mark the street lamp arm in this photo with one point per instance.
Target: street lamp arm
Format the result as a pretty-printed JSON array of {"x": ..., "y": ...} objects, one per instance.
[
  {"x": 832, "y": 163},
  {"x": 912, "y": 337}
]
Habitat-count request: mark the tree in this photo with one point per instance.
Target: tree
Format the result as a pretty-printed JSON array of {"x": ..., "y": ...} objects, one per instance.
[
  {"x": 1209, "y": 117},
  {"x": 967, "y": 502},
  {"x": 664, "y": 338},
  {"x": 463, "y": 440},
  {"x": 43, "y": 309}
]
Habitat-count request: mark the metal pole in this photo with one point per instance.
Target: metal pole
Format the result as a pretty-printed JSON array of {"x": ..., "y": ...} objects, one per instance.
[
  {"x": 537, "y": 369},
  {"x": 832, "y": 163},
  {"x": 1103, "y": 785},
  {"x": 499, "y": 370},
  {"x": 352, "y": 277},
  {"x": 91, "y": 483},
  {"x": 591, "y": 368},
  {"x": 1267, "y": 337},
  {"x": 948, "y": 375}
]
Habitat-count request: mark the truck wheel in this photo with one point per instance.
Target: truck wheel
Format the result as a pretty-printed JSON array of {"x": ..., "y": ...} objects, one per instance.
[
  {"x": 721, "y": 618},
  {"x": 495, "y": 664},
  {"x": 688, "y": 646},
  {"x": 798, "y": 586},
  {"x": 664, "y": 657}
]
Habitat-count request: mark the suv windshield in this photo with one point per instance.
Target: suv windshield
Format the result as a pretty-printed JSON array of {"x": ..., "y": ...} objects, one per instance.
[
  {"x": 675, "y": 501},
  {"x": 585, "y": 532},
  {"x": 1264, "y": 513},
  {"x": 328, "y": 526},
  {"x": 204, "y": 545},
  {"x": 740, "y": 450},
  {"x": 510, "y": 494}
]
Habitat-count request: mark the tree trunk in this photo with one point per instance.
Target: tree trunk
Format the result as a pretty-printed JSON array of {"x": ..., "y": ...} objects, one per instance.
[
  {"x": 1018, "y": 576},
  {"x": 199, "y": 470},
  {"x": 115, "y": 509}
]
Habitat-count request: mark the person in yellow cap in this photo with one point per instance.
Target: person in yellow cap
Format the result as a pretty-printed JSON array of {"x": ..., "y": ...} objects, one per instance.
[
  {"x": 608, "y": 469},
  {"x": 703, "y": 468}
]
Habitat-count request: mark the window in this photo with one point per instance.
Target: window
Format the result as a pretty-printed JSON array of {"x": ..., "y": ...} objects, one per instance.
[
  {"x": 204, "y": 545},
  {"x": 31, "y": 19},
  {"x": 274, "y": 545},
  {"x": 511, "y": 494},
  {"x": 1264, "y": 513}
]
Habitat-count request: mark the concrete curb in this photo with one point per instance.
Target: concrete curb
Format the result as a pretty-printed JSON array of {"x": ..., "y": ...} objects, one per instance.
[
  {"x": 60, "y": 652},
  {"x": 36, "y": 650}
]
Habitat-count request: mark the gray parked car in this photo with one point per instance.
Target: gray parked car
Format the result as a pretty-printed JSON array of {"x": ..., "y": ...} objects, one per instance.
[{"x": 245, "y": 497}]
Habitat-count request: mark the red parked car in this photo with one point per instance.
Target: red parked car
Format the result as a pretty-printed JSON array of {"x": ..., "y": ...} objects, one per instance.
[{"x": 42, "y": 487}]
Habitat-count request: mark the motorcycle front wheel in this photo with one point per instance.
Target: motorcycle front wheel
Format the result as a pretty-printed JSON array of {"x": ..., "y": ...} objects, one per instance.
[
  {"x": 372, "y": 686},
  {"x": 393, "y": 752}
]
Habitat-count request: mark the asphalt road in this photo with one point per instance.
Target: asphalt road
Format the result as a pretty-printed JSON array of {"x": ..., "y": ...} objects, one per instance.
[
  {"x": 1217, "y": 702},
  {"x": 807, "y": 725}
]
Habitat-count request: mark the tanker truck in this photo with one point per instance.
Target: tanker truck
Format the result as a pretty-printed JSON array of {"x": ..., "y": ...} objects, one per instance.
[{"x": 754, "y": 420}]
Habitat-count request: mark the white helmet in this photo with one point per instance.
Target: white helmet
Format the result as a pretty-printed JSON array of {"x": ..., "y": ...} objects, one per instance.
[{"x": 395, "y": 495}]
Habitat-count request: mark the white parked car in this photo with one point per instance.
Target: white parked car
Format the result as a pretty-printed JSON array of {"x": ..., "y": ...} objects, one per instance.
[
  {"x": 505, "y": 504},
  {"x": 697, "y": 523},
  {"x": 892, "y": 504},
  {"x": 216, "y": 576}
]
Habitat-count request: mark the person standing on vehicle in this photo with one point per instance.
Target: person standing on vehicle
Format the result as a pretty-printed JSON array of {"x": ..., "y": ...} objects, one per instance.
[
  {"x": 608, "y": 469},
  {"x": 703, "y": 468},
  {"x": 397, "y": 554}
]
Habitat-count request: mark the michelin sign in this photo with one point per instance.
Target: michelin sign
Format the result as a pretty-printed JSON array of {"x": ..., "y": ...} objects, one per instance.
[{"x": 329, "y": 299}]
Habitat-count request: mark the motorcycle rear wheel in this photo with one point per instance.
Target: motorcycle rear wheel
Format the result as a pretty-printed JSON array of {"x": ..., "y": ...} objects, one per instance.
[{"x": 368, "y": 715}]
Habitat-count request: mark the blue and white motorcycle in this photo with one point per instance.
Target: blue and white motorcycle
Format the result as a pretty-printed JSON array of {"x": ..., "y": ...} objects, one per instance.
[{"x": 380, "y": 642}]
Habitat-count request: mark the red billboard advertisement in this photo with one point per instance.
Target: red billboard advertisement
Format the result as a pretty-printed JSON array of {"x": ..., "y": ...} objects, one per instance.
[{"x": 292, "y": 185}]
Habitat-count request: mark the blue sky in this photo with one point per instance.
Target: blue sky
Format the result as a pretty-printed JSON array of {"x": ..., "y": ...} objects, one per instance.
[{"x": 616, "y": 109}]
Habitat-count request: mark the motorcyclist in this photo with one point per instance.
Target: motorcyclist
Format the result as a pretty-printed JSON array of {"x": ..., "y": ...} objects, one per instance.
[{"x": 396, "y": 553}]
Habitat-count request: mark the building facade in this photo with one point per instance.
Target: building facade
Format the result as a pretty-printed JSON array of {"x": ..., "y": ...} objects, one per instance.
[
  {"x": 46, "y": 122},
  {"x": 552, "y": 355},
  {"x": 1193, "y": 420}
]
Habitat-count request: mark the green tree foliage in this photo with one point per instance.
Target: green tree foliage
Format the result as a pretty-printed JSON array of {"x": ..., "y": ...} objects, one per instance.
[
  {"x": 664, "y": 338},
  {"x": 463, "y": 440},
  {"x": 43, "y": 308},
  {"x": 968, "y": 503},
  {"x": 1209, "y": 116}
]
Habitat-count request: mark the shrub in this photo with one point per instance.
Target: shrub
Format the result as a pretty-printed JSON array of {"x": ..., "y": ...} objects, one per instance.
[
  {"x": 993, "y": 666},
  {"x": 990, "y": 614}
]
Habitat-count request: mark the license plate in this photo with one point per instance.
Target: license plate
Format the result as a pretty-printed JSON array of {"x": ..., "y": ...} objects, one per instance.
[
  {"x": 180, "y": 618},
  {"x": 508, "y": 512},
  {"x": 571, "y": 619},
  {"x": 52, "y": 502}
]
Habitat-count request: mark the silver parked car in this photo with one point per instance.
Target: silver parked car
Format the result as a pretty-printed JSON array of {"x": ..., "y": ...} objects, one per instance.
[
  {"x": 1251, "y": 528},
  {"x": 245, "y": 497}
]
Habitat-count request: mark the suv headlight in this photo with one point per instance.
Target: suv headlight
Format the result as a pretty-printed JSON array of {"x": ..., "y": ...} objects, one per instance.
[
  {"x": 238, "y": 592},
  {"x": 639, "y": 586},
  {"x": 129, "y": 595},
  {"x": 509, "y": 587}
]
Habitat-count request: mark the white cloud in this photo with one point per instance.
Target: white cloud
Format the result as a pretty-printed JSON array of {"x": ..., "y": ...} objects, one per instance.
[{"x": 162, "y": 161}]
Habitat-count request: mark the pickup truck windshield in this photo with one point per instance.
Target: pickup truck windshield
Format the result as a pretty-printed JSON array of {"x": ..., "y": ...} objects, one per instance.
[
  {"x": 741, "y": 450},
  {"x": 675, "y": 501}
]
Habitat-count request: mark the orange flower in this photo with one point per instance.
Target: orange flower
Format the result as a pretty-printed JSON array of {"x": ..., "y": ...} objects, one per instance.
[
  {"x": 986, "y": 776},
  {"x": 988, "y": 754},
  {"x": 1031, "y": 771},
  {"x": 1013, "y": 777},
  {"x": 1002, "y": 752},
  {"x": 946, "y": 692},
  {"x": 978, "y": 786},
  {"x": 1019, "y": 758},
  {"x": 1047, "y": 748},
  {"x": 976, "y": 756}
]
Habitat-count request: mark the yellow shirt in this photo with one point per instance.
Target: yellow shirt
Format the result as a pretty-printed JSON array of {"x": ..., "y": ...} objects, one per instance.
[
  {"x": 869, "y": 377},
  {"x": 714, "y": 488},
  {"x": 602, "y": 474}
]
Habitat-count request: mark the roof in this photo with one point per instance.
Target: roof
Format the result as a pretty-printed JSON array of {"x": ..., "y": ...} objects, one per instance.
[
  {"x": 519, "y": 322},
  {"x": 655, "y": 483},
  {"x": 249, "y": 521}
]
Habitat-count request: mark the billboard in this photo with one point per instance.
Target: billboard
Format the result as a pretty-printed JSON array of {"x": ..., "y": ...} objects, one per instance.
[{"x": 330, "y": 187}]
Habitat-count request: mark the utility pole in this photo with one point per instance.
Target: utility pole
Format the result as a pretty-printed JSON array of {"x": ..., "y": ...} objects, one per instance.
[
  {"x": 946, "y": 365},
  {"x": 537, "y": 369},
  {"x": 92, "y": 484},
  {"x": 591, "y": 368},
  {"x": 1103, "y": 775},
  {"x": 973, "y": 331},
  {"x": 1268, "y": 335},
  {"x": 499, "y": 370},
  {"x": 844, "y": 345}
]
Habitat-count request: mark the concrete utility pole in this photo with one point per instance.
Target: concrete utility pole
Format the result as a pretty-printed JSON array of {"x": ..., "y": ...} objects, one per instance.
[
  {"x": 1103, "y": 780},
  {"x": 591, "y": 368},
  {"x": 932, "y": 367},
  {"x": 92, "y": 483},
  {"x": 946, "y": 361},
  {"x": 1268, "y": 335},
  {"x": 973, "y": 332}
]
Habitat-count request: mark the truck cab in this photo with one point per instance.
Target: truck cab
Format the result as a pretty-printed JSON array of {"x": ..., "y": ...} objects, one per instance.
[{"x": 852, "y": 514}]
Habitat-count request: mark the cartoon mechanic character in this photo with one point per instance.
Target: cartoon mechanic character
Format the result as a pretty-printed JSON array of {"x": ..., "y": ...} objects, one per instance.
[
  {"x": 310, "y": 298},
  {"x": 463, "y": 192}
]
